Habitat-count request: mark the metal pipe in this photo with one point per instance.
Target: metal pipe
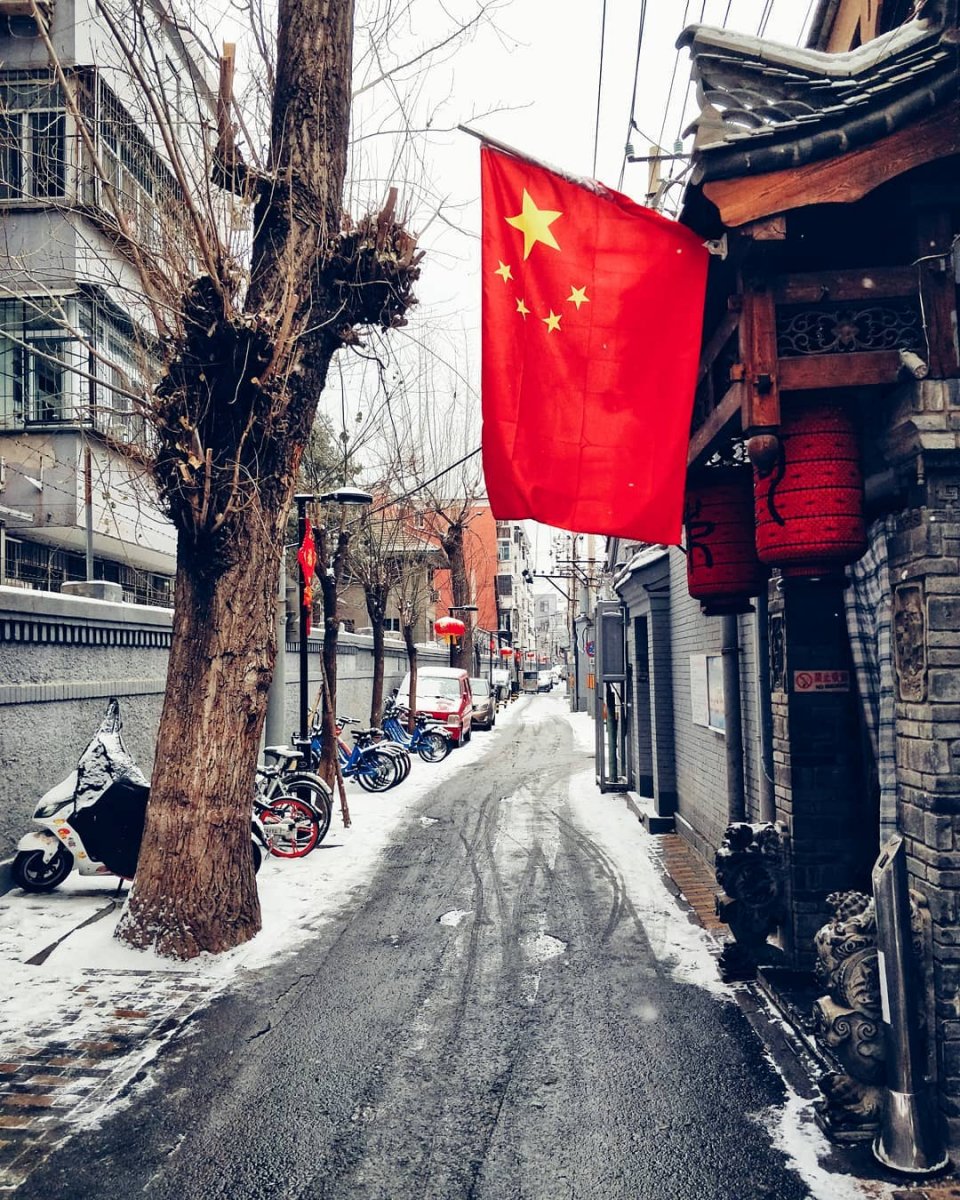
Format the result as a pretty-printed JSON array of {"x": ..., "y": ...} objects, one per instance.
[
  {"x": 301, "y": 586},
  {"x": 909, "y": 1138},
  {"x": 768, "y": 797},
  {"x": 733, "y": 727},
  {"x": 276, "y": 722}
]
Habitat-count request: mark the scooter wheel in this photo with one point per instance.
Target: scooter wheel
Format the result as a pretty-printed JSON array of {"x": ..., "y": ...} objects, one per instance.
[{"x": 34, "y": 875}]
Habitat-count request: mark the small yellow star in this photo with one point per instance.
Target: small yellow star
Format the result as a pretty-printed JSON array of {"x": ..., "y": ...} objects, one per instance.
[
  {"x": 522, "y": 309},
  {"x": 534, "y": 223},
  {"x": 578, "y": 296},
  {"x": 504, "y": 271},
  {"x": 552, "y": 322}
]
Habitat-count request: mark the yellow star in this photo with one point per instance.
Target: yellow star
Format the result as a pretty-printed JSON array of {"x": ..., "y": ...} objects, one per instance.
[
  {"x": 578, "y": 296},
  {"x": 552, "y": 322},
  {"x": 503, "y": 270},
  {"x": 534, "y": 223},
  {"x": 522, "y": 309}
]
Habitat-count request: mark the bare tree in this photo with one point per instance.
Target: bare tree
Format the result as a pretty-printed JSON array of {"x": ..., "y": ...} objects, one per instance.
[{"x": 242, "y": 321}]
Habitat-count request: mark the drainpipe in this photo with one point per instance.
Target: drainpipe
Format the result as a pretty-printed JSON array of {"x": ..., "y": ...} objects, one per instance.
[
  {"x": 733, "y": 729},
  {"x": 768, "y": 798}
]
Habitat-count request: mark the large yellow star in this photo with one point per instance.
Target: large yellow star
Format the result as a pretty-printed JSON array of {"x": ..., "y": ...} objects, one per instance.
[
  {"x": 578, "y": 296},
  {"x": 534, "y": 223},
  {"x": 552, "y": 322},
  {"x": 504, "y": 271}
]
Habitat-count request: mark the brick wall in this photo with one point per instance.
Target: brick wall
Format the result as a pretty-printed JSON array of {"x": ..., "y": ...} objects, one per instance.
[{"x": 923, "y": 445}]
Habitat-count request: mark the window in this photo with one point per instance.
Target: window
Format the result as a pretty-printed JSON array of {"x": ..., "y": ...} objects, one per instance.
[
  {"x": 504, "y": 585},
  {"x": 38, "y": 357},
  {"x": 391, "y": 624},
  {"x": 33, "y": 139},
  {"x": 503, "y": 550}
]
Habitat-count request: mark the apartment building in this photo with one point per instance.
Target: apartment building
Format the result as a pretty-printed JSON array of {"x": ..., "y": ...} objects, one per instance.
[{"x": 87, "y": 194}]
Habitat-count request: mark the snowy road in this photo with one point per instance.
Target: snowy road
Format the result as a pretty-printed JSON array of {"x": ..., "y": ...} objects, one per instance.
[{"x": 502, "y": 1001}]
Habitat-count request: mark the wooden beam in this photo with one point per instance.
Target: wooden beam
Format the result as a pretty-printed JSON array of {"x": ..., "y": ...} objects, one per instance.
[
  {"x": 715, "y": 424},
  {"x": 938, "y": 290},
  {"x": 871, "y": 283},
  {"x": 758, "y": 353},
  {"x": 718, "y": 339},
  {"x": 816, "y": 372},
  {"x": 840, "y": 180}
]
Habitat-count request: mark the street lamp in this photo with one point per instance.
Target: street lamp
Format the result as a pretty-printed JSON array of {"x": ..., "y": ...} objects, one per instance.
[
  {"x": 344, "y": 495},
  {"x": 460, "y": 608}
]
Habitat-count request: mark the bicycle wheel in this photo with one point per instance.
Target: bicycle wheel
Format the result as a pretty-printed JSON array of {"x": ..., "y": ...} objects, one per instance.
[
  {"x": 433, "y": 747},
  {"x": 376, "y": 771},
  {"x": 311, "y": 790},
  {"x": 401, "y": 757},
  {"x": 291, "y": 827}
]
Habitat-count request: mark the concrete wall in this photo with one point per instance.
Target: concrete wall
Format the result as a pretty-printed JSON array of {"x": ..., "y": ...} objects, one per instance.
[{"x": 62, "y": 657}]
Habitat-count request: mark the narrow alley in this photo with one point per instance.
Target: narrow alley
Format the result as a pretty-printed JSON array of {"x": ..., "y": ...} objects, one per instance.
[{"x": 502, "y": 999}]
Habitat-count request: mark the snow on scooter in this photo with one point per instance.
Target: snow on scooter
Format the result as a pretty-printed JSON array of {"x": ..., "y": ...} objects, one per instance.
[{"x": 93, "y": 820}]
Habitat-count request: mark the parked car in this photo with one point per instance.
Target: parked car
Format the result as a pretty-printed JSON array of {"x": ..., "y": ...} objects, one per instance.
[
  {"x": 444, "y": 694},
  {"x": 545, "y": 681},
  {"x": 484, "y": 703}
]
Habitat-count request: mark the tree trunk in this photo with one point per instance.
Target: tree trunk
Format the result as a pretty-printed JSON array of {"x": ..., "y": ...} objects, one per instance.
[
  {"x": 195, "y": 888},
  {"x": 411, "y": 645},
  {"x": 461, "y": 655},
  {"x": 250, "y": 417},
  {"x": 376, "y": 595}
]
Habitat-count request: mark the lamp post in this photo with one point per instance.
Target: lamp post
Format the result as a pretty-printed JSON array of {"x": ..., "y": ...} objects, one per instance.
[
  {"x": 458, "y": 608},
  {"x": 345, "y": 495}
]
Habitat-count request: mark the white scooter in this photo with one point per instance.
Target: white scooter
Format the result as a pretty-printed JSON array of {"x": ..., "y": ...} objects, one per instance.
[{"x": 92, "y": 821}]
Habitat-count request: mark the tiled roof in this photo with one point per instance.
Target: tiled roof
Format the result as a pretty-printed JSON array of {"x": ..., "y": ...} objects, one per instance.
[{"x": 767, "y": 107}]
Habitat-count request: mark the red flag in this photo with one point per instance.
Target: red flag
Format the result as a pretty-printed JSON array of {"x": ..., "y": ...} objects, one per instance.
[
  {"x": 307, "y": 558},
  {"x": 592, "y": 310}
]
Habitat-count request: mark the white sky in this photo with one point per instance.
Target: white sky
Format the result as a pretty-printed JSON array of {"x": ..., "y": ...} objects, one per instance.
[{"x": 542, "y": 69}]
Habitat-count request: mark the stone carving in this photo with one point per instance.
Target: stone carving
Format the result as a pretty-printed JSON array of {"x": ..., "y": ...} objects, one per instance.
[
  {"x": 910, "y": 642},
  {"x": 750, "y": 869},
  {"x": 847, "y": 1021}
]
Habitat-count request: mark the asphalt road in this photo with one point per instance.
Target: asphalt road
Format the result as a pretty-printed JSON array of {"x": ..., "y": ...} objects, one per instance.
[{"x": 532, "y": 1049}]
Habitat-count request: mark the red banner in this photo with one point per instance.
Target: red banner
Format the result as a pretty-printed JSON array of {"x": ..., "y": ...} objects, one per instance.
[{"x": 307, "y": 558}]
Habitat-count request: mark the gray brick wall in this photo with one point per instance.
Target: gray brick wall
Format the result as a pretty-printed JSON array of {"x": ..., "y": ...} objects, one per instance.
[{"x": 62, "y": 657}]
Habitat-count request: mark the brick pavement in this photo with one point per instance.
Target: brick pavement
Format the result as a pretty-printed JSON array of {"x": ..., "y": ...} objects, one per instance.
[
  {"x": 692, "y": 878},
  {"x": 83, "y": 1053}
]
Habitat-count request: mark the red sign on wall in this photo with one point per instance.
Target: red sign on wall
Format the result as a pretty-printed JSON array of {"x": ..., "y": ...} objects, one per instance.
[{"x": 821, "y": 681}]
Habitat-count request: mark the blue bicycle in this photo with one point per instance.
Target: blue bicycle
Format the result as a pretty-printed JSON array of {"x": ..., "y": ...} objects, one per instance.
[
  {"x": 429, "y": 738},
  {"x": 372, "y": 768}
]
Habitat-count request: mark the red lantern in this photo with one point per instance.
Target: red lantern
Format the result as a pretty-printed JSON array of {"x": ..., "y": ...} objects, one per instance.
[
  {"x": 517, "y": 655},
  {"x": 506, "y": 652},
  {"x": 809, "y": 506},
  {"x": 530, "y": 656},
  {"x": 449, "y": 628},
  {"x": 723, "y": 570},
  {"x": 493, "y": 645}
]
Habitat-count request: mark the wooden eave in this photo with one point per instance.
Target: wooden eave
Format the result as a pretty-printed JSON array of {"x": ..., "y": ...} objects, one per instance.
[{"x": 841, "y": 180}]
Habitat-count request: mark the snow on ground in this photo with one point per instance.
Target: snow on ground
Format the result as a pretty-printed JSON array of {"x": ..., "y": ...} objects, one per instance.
[{"x": 298, "y": 897}]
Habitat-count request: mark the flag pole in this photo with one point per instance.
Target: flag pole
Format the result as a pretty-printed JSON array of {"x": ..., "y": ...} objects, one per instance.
[{"x": 592, "y": 185}]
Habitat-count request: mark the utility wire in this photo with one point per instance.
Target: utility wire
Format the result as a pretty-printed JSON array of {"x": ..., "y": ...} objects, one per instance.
[
  {"x": 426, "y": 483},
  {"x": 596, "y": 131},
  {"x": 632, "y": 123}
]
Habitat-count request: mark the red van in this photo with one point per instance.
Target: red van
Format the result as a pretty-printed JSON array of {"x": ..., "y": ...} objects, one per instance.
[{"x": 444, "y": 694}]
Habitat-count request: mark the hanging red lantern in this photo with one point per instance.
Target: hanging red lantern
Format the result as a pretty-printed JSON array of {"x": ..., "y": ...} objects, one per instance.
[
  {"x": 506, "y": 652},
  {"x": 723, "y": 570},
  {"x": 449, "y": 628},
  {"x": 517, "y": 655},
  {"x": 809, "y": 505},
  {"x": 493, "y": 645}
]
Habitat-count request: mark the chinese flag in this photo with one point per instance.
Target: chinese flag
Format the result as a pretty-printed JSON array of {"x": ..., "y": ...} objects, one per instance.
[{"x": 592, "y": 310}]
